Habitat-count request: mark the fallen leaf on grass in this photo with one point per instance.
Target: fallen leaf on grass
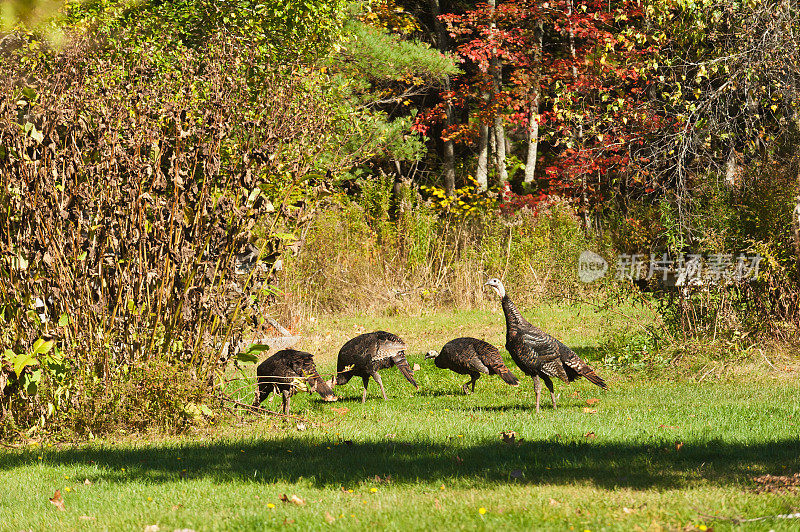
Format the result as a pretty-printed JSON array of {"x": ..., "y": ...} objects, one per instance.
[
  {"x": 458, "y": 460},
  {"x": 678, "y": 445},
  {"x": 592, "y": 401},
  {"x": 587, "y": 410},
  {"x": 777, "y": 483},
  {"x": 87, "y": 482},
  {"x": 87, "y": 518},
  {"x": 58, "y": 501},
  {"x": 301, "y": 426},
  {"x": 627, "y": 510},
  {"x": 294, "y": 499},
  {"x": 590, "y": 435},
  {"x": 340, "y": 410},
  {"x": 329, "y": 518},
  {"x": 416, "y": 367},
  {"x": 554, "y": 502}
]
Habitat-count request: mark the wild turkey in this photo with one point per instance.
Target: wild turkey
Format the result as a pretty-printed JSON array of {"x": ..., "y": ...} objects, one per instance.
[
  {"x": 537, "y": 353},
  {"x": 366, "y": 354},
  {"x": 473, "y": 357},
  {"x": 285, "y": 372}
]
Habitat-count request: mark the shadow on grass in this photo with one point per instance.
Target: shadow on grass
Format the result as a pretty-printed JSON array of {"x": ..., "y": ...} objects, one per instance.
[
  {"x": 455, "y": 392},
  {"x": 589, "y": 353},
  {"x": 332, "y": 464}
]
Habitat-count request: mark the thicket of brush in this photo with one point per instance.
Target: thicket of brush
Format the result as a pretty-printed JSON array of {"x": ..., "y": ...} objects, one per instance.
[{"x": 137, "y": 194}]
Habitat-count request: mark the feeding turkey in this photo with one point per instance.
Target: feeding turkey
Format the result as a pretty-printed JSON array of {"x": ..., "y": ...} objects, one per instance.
[
  {"x": 366, "y": 354},
  {"x": 287, "y": 371},
  {"x": 473, "y": 357},
  {"x": 537, "y": 353}
]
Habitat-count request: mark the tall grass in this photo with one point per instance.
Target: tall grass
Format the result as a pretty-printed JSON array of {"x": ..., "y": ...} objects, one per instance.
[{"x": 369, "y": 253}]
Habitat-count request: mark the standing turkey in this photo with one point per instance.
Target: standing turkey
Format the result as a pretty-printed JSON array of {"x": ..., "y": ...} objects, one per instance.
[
  {"x": 285, "y": 372},
  {"x": 473, "y": 357},
  {"x": 366, "y": 354},
  {"x": 537, "y": 353}
]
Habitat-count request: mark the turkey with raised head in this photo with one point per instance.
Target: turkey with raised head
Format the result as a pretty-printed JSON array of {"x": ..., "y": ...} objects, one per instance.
[
  {"x": 537, "y": 353},
  {"x": 473, "y": 357},
  {"x": 366, "y": 354},
  {"x": 285, "y": 372}
]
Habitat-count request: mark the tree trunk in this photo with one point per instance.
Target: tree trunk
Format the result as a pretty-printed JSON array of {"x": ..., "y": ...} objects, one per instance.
[
  {"x": 496, "y": 73},
  {"x": 493, "y": 154},
  {"x": 500, "y": 150},
  {"x": 796, "y": 226},
  {"x": 533, "y": 124},
  {"x": 533, "y": 140},
  {"x": 584, "y": 191},
  {"x": 481, "y": 174},
  {"x": 449, "y": 168},
  {"x": 448, "y": 159}
]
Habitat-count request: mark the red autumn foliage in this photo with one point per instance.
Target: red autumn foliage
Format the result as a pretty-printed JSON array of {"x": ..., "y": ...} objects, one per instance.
[{"x": 593, "y": 115}]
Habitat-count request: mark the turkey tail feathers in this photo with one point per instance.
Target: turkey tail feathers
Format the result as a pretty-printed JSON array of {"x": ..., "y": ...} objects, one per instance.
[
  {"x": 405, "y": 369},
  {"x": 594, "y": 378},
  {"x": 321, "y": 386},
  {"x": 509, "y": 378}
]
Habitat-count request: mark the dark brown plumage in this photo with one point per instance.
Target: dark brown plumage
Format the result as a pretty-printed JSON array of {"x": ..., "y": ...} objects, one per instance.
[
  {"x": 366, "y": 354},
  {"x": 473, "y": 357},
  {"x": 537, "y": 353},
  {"x": 284, "y": 372}
]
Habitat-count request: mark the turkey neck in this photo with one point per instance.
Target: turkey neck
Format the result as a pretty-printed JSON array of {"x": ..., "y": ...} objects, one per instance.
[{"x": 513, "y": 317}]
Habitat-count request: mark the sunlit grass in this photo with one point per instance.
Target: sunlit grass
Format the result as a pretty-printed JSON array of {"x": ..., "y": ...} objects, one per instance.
[{"x": 648, "y": 454}]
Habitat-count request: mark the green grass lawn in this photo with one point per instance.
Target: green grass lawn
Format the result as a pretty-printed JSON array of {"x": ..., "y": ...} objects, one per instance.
[{"x": 648, "y": 455}]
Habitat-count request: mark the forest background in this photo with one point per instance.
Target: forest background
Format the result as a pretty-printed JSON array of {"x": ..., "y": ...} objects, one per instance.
[{"x": 179, "y": 178}]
